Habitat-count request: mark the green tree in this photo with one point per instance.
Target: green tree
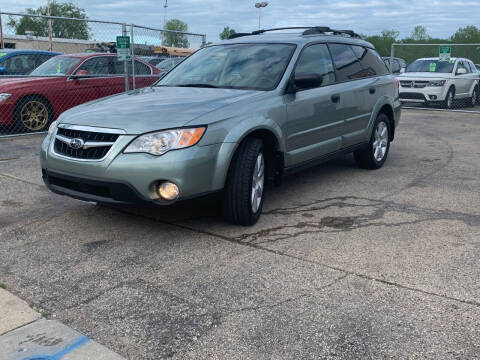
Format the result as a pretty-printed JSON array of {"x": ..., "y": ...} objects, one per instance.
[
  {"x": 226, "y": 33},
  {"x": 466, "y": 35},
  {"x": 420, "y": 33},
  {"x": 174, "y": 39},
  {"x": 67, "y": 29},
  {"x": 383, "y": 42}
]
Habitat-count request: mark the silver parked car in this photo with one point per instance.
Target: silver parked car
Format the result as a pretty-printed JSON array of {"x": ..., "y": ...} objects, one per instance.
[{"x": 230, "y": 118}]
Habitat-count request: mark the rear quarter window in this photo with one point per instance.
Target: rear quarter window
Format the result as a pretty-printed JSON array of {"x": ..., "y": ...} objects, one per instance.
[
  {"x": 372, "y": 63},
  {"x": 346, "y": 62}
]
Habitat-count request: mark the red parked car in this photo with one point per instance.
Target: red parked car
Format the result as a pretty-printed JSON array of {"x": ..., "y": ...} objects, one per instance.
[{"x": 32, "y": 103}]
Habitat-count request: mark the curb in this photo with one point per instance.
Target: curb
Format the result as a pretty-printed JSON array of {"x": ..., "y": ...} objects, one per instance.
[{"x": 25, "y": 335}]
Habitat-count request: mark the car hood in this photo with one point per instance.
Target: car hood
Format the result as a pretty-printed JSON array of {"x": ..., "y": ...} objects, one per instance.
[
  {"x": 18, "y": 82},
  {"x": 424, "y": 75},
  {"x": 153, "y": 108}
]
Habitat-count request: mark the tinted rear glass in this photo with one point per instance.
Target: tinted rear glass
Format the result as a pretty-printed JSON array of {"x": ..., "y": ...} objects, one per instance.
[
  {"x": 371, "y": 62},
  {"x": 346, "y": 62}
]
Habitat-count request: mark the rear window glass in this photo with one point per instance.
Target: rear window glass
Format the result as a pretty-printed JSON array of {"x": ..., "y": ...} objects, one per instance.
[
  {"x": 346, "y": 62},
  {"x": 371, "y": 62}
]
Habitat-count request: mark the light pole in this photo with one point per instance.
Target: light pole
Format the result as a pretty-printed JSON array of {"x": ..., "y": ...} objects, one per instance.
[
  {"x": 165, "y": 7},
  {"x": 259, "y": 6}
]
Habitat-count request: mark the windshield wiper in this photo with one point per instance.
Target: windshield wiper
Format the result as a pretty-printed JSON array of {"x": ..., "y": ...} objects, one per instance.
[{"x": 198, "y": 85}]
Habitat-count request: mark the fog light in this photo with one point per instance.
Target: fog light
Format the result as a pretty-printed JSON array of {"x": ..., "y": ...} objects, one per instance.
[
  {"x": 168, "y": 191},
  {"x": 433, "y": 97}
]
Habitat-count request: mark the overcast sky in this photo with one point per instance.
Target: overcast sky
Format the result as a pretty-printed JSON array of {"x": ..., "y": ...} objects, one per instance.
[{"x": 441, "y": 17}]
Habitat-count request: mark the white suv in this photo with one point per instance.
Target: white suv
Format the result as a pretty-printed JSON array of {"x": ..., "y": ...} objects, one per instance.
[{"x": 430, "y": 81}]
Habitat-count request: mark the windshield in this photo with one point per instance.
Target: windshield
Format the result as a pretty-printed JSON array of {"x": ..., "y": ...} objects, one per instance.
[
  {"x": 431, "y": 66},
  {"x": 168, "y": 64},
  {"x": 236, "y": 66},
  {"x": 59, "y": 65}
]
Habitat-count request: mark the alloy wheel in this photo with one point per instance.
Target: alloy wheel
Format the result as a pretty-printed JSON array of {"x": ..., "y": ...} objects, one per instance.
[
  {"x": 380, "y": 142},
  {"x": 258, "y": 183},
  {"x": 34, "y": 115}
]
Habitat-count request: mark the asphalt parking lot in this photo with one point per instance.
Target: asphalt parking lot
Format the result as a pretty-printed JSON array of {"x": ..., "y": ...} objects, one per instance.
[{"x": 345, "y": 263}]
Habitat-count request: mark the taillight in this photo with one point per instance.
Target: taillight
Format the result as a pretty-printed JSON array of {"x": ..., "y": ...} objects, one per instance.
[{"x": 397, "y": 82}]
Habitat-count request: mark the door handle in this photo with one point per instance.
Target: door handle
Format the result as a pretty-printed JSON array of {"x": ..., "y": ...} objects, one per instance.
[
  {"x": 372, "y": 90},
  {"x": 335, "y": 98}
]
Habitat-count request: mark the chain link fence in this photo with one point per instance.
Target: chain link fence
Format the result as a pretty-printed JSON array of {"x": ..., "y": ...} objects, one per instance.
[
  {"x": 58, "y": 63},
  {"x": 430, "y": 82}
]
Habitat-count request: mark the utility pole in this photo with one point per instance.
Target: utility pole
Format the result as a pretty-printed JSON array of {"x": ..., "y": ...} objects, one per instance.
[
  {"x": 165, "y": 7},
  {"x": 2, "y": 45},
  {"x": 50, "y": 45},
  {"x": 259, "y": 6}
]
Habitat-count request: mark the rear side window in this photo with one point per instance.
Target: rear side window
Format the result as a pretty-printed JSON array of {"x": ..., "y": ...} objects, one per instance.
[
  {"x": 141, "y": 69},
  {"x": 315, "y": 59},
  {"x": 372, "y": 63},
  {"x": 346, "y": 62}
]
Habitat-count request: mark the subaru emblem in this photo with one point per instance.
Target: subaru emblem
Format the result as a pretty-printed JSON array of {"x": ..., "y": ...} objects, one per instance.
[{"x": 76, "y": 143}]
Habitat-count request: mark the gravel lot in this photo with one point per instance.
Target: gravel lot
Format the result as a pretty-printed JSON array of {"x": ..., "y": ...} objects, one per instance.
[{"x": 345, "y": 263}]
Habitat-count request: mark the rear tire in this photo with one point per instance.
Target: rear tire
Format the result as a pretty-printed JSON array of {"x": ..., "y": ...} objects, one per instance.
[
  {"x": 375, "y": 154},
  {"x": 244, "y": 190}
]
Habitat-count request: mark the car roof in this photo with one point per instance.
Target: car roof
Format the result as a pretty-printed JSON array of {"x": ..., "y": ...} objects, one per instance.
[
  {"x": 295, "y": 37},
  {"x": 13, "y": 52}
]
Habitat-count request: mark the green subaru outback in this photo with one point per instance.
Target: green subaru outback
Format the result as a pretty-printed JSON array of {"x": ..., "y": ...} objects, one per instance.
[{"x": 233, "y": 117}]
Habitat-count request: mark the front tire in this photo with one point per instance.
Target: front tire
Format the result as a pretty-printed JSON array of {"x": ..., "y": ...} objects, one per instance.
[
  {"x": 33, "y": 114},
  {"x": 375, "y": 154},
  {"x": 449, "y": 99},
  {"x": 473, "y": 100},
  {"x": 244, "y": 190}
]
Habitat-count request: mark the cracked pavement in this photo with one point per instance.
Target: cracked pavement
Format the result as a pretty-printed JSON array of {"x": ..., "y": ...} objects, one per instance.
[{"x": 344, "y": 263}]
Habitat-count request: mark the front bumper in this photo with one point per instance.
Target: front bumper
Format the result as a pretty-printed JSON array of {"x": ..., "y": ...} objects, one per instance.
[
  {"x": 423, "y": 95},
  {"x": 128, "y": 178},
  {"x": 7, "y": 109}
]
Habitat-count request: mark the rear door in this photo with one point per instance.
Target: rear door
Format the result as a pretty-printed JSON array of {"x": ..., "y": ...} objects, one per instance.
[
  {"x": 314, "y": 126},
  {"x": 358, "y": 91}
]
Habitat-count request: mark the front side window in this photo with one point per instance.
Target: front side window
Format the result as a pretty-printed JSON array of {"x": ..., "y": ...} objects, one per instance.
[
  {"x": 235, "y": 66},
  {"x": 461, "y": 65},
  {"x": 346, "y": 62},
  {"x": 96, "y": 66},
  {"x": 58, "y": 65},
  {"x": 315, "y": 59}
]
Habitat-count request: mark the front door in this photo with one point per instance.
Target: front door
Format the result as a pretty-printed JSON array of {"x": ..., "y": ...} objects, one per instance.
[{"x": 314, "y": 124}]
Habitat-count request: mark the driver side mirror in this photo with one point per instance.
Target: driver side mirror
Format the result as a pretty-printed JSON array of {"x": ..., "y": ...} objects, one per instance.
[
  {"x": 80, "y": 74},
  {"x": 3, "y": 70},
  {"x": 461, "y": 71},
  {"x": 305, "y": 82}
]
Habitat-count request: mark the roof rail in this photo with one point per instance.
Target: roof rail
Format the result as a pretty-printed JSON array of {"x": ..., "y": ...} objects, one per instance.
[
  {"x": 323, "y": 30},
  {"x": 310, "y": 30}
]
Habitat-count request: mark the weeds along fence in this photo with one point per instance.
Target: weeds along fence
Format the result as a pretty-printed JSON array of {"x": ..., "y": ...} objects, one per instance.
[
  {"x": 452, "y": 84},
  {"x": 75, "y": 61}
]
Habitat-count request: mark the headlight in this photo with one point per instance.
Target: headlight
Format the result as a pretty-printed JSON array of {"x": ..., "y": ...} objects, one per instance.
[
  {"x": 160, "y": 142},
  {"x": 52, "y": 127},
  {"x": 436, "y": 83},
  {"x": 4, "y": 97}
]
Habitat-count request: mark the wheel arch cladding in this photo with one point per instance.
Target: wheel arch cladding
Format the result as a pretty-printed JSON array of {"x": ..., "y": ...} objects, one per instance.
[{"x": 274, "y": 157}]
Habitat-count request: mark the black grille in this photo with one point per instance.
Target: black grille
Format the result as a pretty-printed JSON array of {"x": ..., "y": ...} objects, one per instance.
[
  {"x": 83, "y": 187},
  {"x": 412, "y": 96},
  {"x": 88, "y": 154}
]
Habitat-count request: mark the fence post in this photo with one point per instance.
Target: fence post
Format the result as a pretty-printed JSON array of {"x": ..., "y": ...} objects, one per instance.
[
  {"x": 125, "y": 62},
  {"x": 392, "y": 55},
  {"x": 1, "y": 32},
  {"x": 132, "y": 46},
  {"x": 204, "y": 41}
]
